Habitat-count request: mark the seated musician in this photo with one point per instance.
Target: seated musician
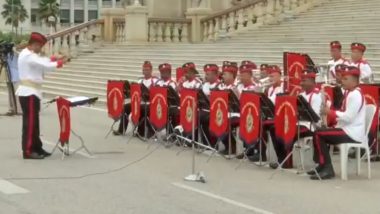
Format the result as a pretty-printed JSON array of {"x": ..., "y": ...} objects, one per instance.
[
  {"x": 336, "y": 57},
  {"x": 263, "y": 71},
  {"x": 277, "y": 86},
  {"x": 148, "y": 80},
  {"x": 166, "y": 76},
  {"x": 357, "y": 60},
  {"x": 246, "y": 79},
  {"x": 211, "y": 77},
  {"x": 313, "y": 97},
  {"x": 253, "y": 66},
  {"x": 350, "y": 126},
  {"x": 191, "y": 80}
]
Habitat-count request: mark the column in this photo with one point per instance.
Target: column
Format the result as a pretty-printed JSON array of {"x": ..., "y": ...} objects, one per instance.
[
  {"x": 136, "y": 24},
  {"x": 72, "y": 12},
  {"x": 113, "y": 3},
  {"x": 85, "y": 11},
  {"x": 100, "y": 6}
]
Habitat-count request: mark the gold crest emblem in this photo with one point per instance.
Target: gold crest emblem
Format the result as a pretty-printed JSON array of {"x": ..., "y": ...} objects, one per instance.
[
  {"x": 135, "y": 105},
  {"x": 219, "y": 116},
  {"x": 286, "y": 121},
  {"x": 159, "y": 109},
  {"x": 63, "y": 123},
  {"x": 249, "y": 122},
  {"x": 115, "y": 103},
  {"x": 189, "y": 112}
]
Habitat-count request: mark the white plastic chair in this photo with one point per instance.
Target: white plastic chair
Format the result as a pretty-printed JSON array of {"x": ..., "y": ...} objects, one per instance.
[{"x": 345, "y": 147}]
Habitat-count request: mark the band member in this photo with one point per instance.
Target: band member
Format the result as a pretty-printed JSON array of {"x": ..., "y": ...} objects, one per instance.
[
  {"x": 166, "y": 76},
  {"x": 229, "y": 73},
  {"x": 212, "y": 78},
  {"x": 263, "y": 71},
  {"x": 32, "y": 68},
  {"x": 338, "y": 73},
  {"x": 148, "y": 80},
  {"x": 336, "y": 57},
  {"x": 350, "y": 126},
  {"x": 357, "y": 60},
  {"x": 312, "y": 96},
  {"x": 274, "y": 73},
  {"x": 246, "y": 79},
  {"x": 191, "y": 79}
]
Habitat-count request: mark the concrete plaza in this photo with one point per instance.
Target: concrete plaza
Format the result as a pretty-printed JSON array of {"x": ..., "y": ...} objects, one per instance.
[{"x": 127, "y": 177}]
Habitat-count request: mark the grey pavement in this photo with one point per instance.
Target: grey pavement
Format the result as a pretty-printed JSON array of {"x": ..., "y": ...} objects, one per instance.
[{"x": 115, "y": 182}]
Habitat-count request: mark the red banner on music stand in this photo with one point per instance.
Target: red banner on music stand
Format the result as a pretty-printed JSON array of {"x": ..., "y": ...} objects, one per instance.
[
  {"x": 135, "y": 103},
  {"x": 63, "y": 107},
  {"x": 249, "y": 117},
  {"x": 294, "y": 64},
  {"x": 180, "y": 72},
  {"x": 219, "y": 113},
  {"x": 371, "y": 95},
  {"x": 158, "y": 107},
  {"x": 285, "y": 119},
  {"x": 115, "y": 99},
  {"x": 189, "y": 110}
]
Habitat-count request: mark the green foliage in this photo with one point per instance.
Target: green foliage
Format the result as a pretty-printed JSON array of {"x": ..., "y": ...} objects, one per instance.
[
  {"x": 14, "y": 13},
  {"x": 12, "y": 37},
  {"x": 49, "y": 8}
]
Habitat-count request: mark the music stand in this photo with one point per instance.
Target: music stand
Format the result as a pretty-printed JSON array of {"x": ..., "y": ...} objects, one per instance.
[
  {"x": 307, "y": 114},
  {"x": 266, "y": 112},
  {"x": 145, "y": 99},
  {"x": 65, "y": 149},
  {"x": 173, "y": 100}
]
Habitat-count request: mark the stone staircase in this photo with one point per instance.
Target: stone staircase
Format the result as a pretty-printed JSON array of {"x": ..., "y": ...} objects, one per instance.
[{"x": 344, "y": 20}]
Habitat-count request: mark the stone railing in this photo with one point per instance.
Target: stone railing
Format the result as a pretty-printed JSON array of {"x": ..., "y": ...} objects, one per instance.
[
  {"x": 77, "y": 39},
  {"x": 250, "y": 15},
  {"x": 119, "y": 30},
  {"x": 168, "y": 30}
]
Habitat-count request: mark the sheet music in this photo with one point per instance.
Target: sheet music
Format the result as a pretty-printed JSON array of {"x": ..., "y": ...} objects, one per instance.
[{"x": 77, "y": 99}]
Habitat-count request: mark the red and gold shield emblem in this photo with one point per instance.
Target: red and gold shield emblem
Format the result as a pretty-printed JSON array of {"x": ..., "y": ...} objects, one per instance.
[
  {"x": 219, "y": 113},
  {"x": 115, "y": 99},
  {"x": 188, "y": 110},
  {"x": 249, "y": 117},
  {"x": 294, "y": 64},
  {"x": 371, "y": 95},
  {"x": 135, "y": 103},
  {"x": 285, "y": 120},
  {"x": 63, "y": 107},
  {"x": 158, "y": 107}
]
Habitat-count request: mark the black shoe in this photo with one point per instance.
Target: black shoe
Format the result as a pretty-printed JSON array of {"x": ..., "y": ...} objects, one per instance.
[
  {"x": 327, "y": 172},
  {"x": 116, "y": 133},
  {"x": 44, "y": 153},
  {"x": 273, "y": 165},
  {"x": 34, "y": 156},
  {"x": 256, "y": 158},
  {"x": 312, "y": 172}
]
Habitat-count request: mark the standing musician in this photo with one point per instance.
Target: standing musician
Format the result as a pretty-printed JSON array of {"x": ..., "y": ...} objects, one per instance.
[
  {"x": 336, "y": 57},
  {"x": 32, "y": 68},
  {"x": 277, "y": 86},
  {"x": 148, "y": 80},
  {"x": 357, "y": 60},
  {"x": 229, "y": 73},
  {"x": 350, "y": 126},
  {"x": 246, "y": 79},
  {"x": 313, "y": 97},
  {"x": 253, "y": 66},
  {"x": 191, "y": 80}
]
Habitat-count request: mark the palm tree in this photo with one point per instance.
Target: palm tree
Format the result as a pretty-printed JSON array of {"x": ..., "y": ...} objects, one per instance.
[
  {"x": 49, "y": 8},
  {"x": 14, "y": 13}
]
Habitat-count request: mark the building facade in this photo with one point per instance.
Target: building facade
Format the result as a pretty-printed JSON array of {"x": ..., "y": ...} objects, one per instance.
[{"x": 78, "y": 11}]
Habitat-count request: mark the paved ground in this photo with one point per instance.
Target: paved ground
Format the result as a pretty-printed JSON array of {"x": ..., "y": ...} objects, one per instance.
[{"x": 155, "y": 184}]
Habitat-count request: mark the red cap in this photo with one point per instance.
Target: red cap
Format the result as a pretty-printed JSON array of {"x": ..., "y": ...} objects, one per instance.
[
  {"x": 340, "y": 68},
  {"x": 147, "y": 65},
  {"x": 335, "y": 45},
  {"x": 351, "y": 70},
  {"x": 273, "y": 69},
  {"x": 38, "y": 38},
  {"x": 249, "y": 63},
  {"x": 308, "y": 75},
  {"x": 165, "y": 67},
  {"x": 211, "y": 68},
  {"x": 264, "y": 67},
  {"x": 245, "y": 69},
  {"x": 230, "y": 69},
  {"x": 226, "y": 63},
  {"x": 358, "y": 46}
]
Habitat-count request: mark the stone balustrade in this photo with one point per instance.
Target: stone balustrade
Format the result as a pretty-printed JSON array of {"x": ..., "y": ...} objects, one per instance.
[
  {"x": 74, "y": 40},
  {"x": 168, "y": 30},
  {"x": 119, "y": 30},
  {"x": 247, "y": 16}
]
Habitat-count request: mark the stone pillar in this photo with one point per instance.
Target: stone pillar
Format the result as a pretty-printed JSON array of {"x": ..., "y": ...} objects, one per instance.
[
  {"x": 108, "y": 14},
  {"x": 136, "y": 24},
  {"x": 113, "y": 3},
  {"x": 196, "y": 14},
  {"x": 100, "y": 6},
  {"x": 85, "y": 11},
  {"x": 72, "y": 12}
]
